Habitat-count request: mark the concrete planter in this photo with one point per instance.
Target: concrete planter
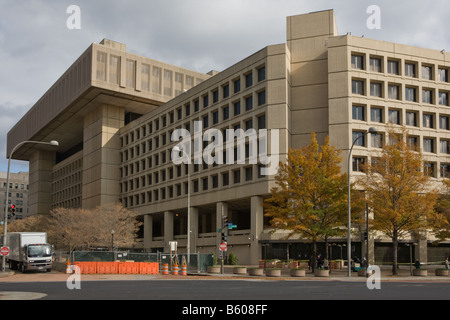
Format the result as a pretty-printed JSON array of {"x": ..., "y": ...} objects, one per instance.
[
  {"x": 298, "y": 273},
  {"x": 420, "y": 272},
  {"x": 442, "y": 272},
  {"x": 240, "y": 270},
  {"x": 256, "y": 272},
  {"x": 273, "y": 272},
  {"x": 321, "y": 273},
  {"x": 213, "y": 269}
]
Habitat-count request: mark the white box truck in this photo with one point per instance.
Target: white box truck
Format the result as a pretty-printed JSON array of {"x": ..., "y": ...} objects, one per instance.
[{"x": 29, "y": 251}]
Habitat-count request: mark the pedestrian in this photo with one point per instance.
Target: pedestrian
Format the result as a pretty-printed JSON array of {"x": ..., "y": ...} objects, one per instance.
[
  {"x": 447, "y": 264},
  {"x": 417, "y": 264}
]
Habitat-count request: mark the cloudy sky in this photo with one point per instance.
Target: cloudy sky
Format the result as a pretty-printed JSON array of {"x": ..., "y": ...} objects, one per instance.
[{"x": 36, "y": 46}]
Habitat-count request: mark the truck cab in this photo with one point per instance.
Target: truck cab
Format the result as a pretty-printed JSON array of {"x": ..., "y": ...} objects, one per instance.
[{"x": 37, "y": 257}]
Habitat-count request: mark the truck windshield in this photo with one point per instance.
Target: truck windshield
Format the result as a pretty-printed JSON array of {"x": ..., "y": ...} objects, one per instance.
[{"x": 39, "y": 251}]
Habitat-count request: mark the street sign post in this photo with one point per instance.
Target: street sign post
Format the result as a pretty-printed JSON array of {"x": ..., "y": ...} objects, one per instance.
[{"x": 4, "y": 251}]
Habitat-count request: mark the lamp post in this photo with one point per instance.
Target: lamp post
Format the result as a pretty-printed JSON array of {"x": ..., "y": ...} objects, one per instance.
[
  {"x": 178, "y": 149},
  {"x": 5, "y": 226},
  {"x": 349, "y": 217}
]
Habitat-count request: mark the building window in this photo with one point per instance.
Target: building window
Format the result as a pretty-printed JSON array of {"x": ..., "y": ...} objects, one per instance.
[
  {"x": 443, "y": 98},
  {"x": 196, "y": 105},
  {"x": 413, "y": 143},
  {"x": 261, "y": 98},
  {"x": 262, "y": 122},
  {"x": 226, "y": 91},
  {"x": 358, "y": 164},
  {"x": 428, "y": 120},
  {"x": 215, "y": 95},
  {"x": 443, "y": 75},
  {"x": 215, "y": 117},
  {"x": 376, "y": 115},
  {"x": 445, "y": 170},
  {"x": 410, "y": 94},
  {"x": 225, "y": 179},
  {"x": 427, "y": 96},
  {"x": 428, "y": 145},
  {"x": 358, "y": 113},
  {"x": 375, "y": 89},
  {"x": 168, "y": 83},
  {"x": 444, "y": 122},
  {"x": 226, "y": 112},
  {"x": 393, "y": 67},
  {"x": 375, "y": 64},
  {"x": 114, "y": 69},
  {"x": 248, "y": 173},
  {"x": 394, "y": 92},
  {"x": 377, "y": 140},
  {"x": 101, "y": 66},
  {"x": 410, "y": 70},
  {"x": 248, "y": 103},
  {"x": 237, "y": 85},
  {"x": 411, "y": 118},
  {"x": 429, "y": 169},
  {"x": 205, "y": 101},
  {"x": 427, "y": 72},
  {"x": 357, "y": 62},
  {"x": 445, "y": 147},
  {"x": 358, "y": 87},
  {"x": 237, "y": 176},
  {"x": 237, "y": 108},
  {"x": 394, "y": 116},
  {"x": 262, "y": 74},
  {"x": 248, "y": 80},
  {"x": 358, "y": 136}
]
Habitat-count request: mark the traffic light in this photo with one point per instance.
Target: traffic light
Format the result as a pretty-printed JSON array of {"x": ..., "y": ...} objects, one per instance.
[
  {"x": 13, "y": 210},
  {"x": 224, "y": 237},
  {"x": 225, "y": 222}
]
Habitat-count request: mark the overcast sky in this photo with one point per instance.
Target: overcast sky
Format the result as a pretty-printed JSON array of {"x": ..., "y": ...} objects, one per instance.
[{"x": 36, "y": 46}]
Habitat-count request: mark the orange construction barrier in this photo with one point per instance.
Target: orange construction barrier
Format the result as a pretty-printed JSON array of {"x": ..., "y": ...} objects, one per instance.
[
  {"x": 175, "y": 269},
  {"x": 261, "y": 263},
  {"x": 128, "y": 268},
  {"x": 107, "y": 267},
  {"x": 69, "y": 267},
  {"x": 86, "y": 267},
  {"x": 165, "y": 268},
  {"x": 184, "y": 270},
  {"x": 148, "y": 268}
]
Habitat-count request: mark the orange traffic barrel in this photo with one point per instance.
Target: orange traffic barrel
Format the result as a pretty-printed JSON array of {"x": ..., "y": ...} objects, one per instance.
[
  {"x": 175, "y": 269},
  {"x": 69, "y": 267},
  {"x": 165, "y": 268},
  {"x": 184, "y": 270},
  {"x": 261, "y": 263},
  {"x": 295, "y": 264}
]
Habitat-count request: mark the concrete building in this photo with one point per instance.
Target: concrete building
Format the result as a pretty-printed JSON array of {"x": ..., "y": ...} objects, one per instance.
[
  {"x": 114, "y": 114},
  {"x": 18, "y": 194}
]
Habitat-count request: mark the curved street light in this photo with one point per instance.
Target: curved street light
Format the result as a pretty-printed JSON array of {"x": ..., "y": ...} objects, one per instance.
[
  {"x": 5, "y": 226},
  {"x": 372, "y": 130}
]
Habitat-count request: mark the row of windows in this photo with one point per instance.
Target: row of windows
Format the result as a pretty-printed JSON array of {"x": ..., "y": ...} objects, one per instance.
[
  {"x": 395, "y": 67},
  {"x": 224, "y": 179},
  {"x": 430, "y": 168},
  {"x": 397, "y": 91},
  {"x": 395, "y": 116},
  {"x": 429, "y": 144},
  {"x": 214, "y": 96},
  {"x": 16, "y": 186}
]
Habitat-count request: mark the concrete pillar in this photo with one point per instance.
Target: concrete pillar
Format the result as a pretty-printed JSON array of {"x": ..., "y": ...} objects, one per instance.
[
  {"x": 421, "y": 250},
  {"x": 148, "y": 231},
  {"x": 40, "y": 181},
  {"x": 101, "y": 156},
  {"x": 168, "y": 229},
  {"x": 256, "y": 228}
]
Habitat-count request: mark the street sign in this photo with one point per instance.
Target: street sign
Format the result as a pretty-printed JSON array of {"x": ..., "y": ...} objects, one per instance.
[
  {"x": 4, "y": 251},
  {"x": 232, "y": 226},
  {"x": 223, "y": 246}
]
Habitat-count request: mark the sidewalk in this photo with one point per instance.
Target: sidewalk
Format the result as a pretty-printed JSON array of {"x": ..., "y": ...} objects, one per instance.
[{"x": 335, "y": 275}]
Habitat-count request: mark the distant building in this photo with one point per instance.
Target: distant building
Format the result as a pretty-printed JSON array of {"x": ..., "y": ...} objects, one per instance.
[
  {"x": 18, "y": 194},
  {"x": 113, "y": 113}
]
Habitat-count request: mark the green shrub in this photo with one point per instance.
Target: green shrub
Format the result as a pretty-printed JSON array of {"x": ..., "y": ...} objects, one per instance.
[{"x": 232, "y": 259}]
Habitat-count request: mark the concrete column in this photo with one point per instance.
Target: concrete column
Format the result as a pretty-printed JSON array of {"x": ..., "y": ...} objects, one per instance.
[
  {"x": 101, "y": 156},
  {"x": 148, "y": 231},
  {"x": 40, "y": 181},
  {"x": 256, "y": 228},
  {"x": 421, "y": 250},
  {"x": 168, "y": 229}
]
